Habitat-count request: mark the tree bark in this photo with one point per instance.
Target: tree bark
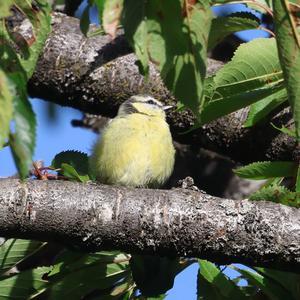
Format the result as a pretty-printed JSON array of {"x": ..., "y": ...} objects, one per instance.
[
  {"x": 96, "y": 75},
  {"x": 176, "y": 222}
]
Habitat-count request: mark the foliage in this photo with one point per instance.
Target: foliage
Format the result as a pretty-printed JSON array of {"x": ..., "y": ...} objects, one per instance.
[
  {"x": 18, "y": 57},
  {"x": 72, "y": 164},
  {"x": 174, "y": 36}
]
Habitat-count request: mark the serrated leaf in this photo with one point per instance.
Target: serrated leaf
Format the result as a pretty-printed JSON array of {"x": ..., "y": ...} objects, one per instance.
[
  {"x": 6, "y": 106},
  {"x": 172, "y": 35},
  {"x": 268, "y": 287},
  {"x": 78, "y": 160},
  {"x": 111, "y": 16},
  {"x": 224, "y": 26},
  {"x": 266, "y": 169},
  {"x": 15, "y": 250},
  {"x": 288, "y": 42},
  {"x": 277, "y": 194},
  {"x": 23, "y": 285},
  {"x": 261, "y": 109},
  {"x": 216, "y": 283},
  {"x": 253, "y": 74},
  {"x": 228, "y": 104}
]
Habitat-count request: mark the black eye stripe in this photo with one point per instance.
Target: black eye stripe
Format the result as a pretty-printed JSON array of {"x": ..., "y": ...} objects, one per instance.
[{"x": 152, "y": 102}]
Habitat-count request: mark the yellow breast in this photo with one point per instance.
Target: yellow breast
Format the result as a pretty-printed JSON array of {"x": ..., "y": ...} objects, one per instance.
[{"x": 135, "y": 150}]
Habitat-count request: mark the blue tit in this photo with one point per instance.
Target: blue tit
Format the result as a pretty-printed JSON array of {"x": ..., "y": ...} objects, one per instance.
[{"x": 136, "y": 148}]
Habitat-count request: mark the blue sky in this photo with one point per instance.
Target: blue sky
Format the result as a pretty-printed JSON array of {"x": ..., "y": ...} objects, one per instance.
[{"x": 58, "y": 135}]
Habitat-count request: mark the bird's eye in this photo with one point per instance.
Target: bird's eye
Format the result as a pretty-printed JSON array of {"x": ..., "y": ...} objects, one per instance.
[{"x": 151, "y": 102}]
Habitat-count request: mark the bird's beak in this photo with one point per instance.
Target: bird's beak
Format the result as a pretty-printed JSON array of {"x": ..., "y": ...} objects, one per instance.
[{"x": 166, "y": 107}]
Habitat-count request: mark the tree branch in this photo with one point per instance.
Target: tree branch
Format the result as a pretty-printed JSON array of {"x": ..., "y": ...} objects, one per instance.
[
  {"x": 174, "y": 222},
  {"x": 96, "y": 75}
]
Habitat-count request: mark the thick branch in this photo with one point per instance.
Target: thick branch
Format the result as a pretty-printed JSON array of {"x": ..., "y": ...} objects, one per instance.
[
  {"x": 96, "y": 75},
  {"x": 165, "y": 222}
]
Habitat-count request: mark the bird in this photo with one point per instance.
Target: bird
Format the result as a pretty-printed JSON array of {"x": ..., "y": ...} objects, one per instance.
[{"x": 136, "y": 148}]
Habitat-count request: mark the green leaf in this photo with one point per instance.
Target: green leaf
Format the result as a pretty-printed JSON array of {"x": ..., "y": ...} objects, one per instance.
[
  {"x": 76, "y": 274},
  {"x": 23, "y": 141},
  {"x": 224, "y": 26},
  {"x": 12, "y": 251},
  {"x": 155, "y": 275},
  {"x": 111, "y": 16},
  {"x": 277, "y": 194},
  {"x": 100, "y": 7},
  {"x": 76, "y": 159},
  {"x": 289, "y": 281},
  {"x": 253, "y": 74},
  {"x": 69, "y": 171},
  {"x": 172, "y": 35},
  {"x": 206, "y": 291},
  {"x": 86, "y": 278},
  {"x": 269, "y": 288},
  {"x": 24, "y": 284},
  {"x": 69, "y": 261},
  {"x": 73, "y": 164},
  {"x": 298, "y": 180},
  {"x": 5, "y": 8},
  {"x": 261, "y": 109},
  {"x": 6, "y": 106},
  {"x": 39, "y": 17},
  {"x": 239, "y": 99},
  {"x": 212, "y": 282},
  {"x": 288, "y": 42},
  {"x": 262, "y": 6},
  {"x": 266, "y": 169},
  {"x": 285, "y": 130},
  {"x": 85, "y": 20}
]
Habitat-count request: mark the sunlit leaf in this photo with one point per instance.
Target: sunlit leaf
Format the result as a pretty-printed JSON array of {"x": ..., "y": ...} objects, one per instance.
[
  {"x": 24, "y": 284},
  {"x": 253, "y": 74},
  {"x": 288, "y": 42},
  {"x": 213, "y": 283},
  {"x": 266, "y": 169},
  {"x": 278, "y": 194},
  {"x": 5, "y": 8},
  {"x": 6, "y": 106},
  {"x": 15, "y": 250},
  {"x": 261, "y": 109},
  {"x": 22, "y": 142},
  {"x": 111, "y": 16},
  {"x": 268, "y": 286},
  {"x": 172, "y": 35}
]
